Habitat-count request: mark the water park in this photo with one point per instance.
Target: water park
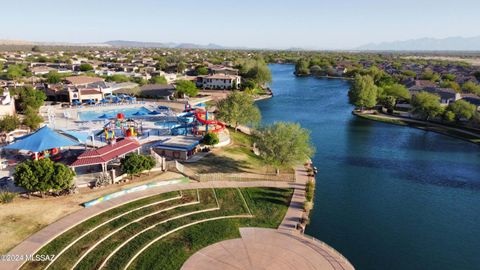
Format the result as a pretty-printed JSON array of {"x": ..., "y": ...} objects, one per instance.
[{"x": 92, "y": 139}]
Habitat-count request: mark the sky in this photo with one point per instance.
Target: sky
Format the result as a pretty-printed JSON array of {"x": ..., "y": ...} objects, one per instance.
[{"x": 309, "y": 24}]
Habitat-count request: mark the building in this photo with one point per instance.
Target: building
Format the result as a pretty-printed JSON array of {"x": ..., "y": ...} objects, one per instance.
[
  {"x": 178, "y": 147},
  {"x": 163, "y": 91},
  {"x": 84, "y": 95},
  {"x": 7, "y": 103},
  {"x": 218, "y": 81},
  {"x": 222, "y": 70},
  {"x": 473, "y": 99},
  {"x": 447, "y": 95}
]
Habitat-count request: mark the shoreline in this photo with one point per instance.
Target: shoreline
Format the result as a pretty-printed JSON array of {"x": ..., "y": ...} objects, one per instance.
[{"x": 423, "y": 125}]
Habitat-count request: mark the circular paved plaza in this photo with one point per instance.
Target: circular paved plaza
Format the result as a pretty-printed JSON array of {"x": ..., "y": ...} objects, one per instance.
[{"x": 267, "y": 249}]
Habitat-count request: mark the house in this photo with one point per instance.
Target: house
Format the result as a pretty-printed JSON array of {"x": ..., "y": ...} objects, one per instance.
[
  {"x": 84, "y": 95},
  {"x": 7, "y": 103},
  {"x": 447, "y": 95},
  {"x": 164, "y": 91},
  {"x": 218, "y": 81},
  {"x": 222, "y": 70},
  {"x": 97, "y": 83},
  {"x": 473, "y": 99},
  {"x": 41, "y": 70}
]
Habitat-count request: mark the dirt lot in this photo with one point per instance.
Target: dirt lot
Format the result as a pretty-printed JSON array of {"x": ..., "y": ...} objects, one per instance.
[{"x": 24, "y": 217}]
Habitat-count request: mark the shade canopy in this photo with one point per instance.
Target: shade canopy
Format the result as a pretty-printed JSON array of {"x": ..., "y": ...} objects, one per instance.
[
  {"x": 81, "y": 136},
  {"x": 105, "y": 116},
  {"x": 104, "y": 101},
  {"x": 139, "y": 113},
  {"x": 43, "y": 139}
]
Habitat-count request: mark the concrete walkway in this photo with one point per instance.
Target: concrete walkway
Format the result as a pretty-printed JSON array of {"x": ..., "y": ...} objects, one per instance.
[{"x": 32, "y": 244}]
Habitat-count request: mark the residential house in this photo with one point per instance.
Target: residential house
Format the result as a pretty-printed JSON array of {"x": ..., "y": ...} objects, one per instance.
[
  {"x": 7, "y": 103},
  {"x": 163, "y": 91},
  {"x": 473, "y": 99},
  {"x": 218, "y": 81}
]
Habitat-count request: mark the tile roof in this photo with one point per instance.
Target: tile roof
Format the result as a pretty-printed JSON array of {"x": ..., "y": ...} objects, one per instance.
[
  {"x": 106, "y": 153},
  {"x": 76, "y": 80}
]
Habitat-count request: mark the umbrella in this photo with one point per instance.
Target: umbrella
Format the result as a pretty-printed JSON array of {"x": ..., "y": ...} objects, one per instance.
[
  {"x": 116, "y": 100},
  {"x": 123, "y": 96},
  {"x": 104, "y": 116},
  {"x": 110, "y": 96},
  {"x": 129, "y": 98},
  {"x": 139, "y": 113},
  {"x": 76, "y": 102},
  {"x": 90, "y": 101},
  {"x": 163, "y": 108},
  {"x": 104, "y": 101}
]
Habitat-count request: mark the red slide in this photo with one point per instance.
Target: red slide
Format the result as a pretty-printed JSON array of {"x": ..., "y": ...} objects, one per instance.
[{"x": 219, "y": 126}]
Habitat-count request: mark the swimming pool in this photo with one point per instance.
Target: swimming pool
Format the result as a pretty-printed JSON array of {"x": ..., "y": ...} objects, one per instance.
[{"x": 112, "y": 113}]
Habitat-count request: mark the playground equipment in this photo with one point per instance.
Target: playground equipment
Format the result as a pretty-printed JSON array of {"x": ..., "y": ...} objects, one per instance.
[
  {"x": 49, "y": 153},
  {"x": 127, "y": 127},
  {"x": 201, "y": 116},
  {"x": 213, "y": 126}
]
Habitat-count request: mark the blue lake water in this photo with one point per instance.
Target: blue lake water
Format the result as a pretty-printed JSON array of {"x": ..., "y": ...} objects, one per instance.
[
  {"x": 93, "y": 115},
  {"x": 387, "y": 197}
]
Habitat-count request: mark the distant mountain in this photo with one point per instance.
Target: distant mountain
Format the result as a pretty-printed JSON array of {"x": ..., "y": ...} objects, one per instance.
[
  {"x": 426, "y": 44},
  {"x": 32, "y": 43},
  {"x": 140, "y": 44}
]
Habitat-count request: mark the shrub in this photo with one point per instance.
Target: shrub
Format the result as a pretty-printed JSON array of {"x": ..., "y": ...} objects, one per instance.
[
  {"x": 211, "y": 139},
  {"x": 103, "y": 180},
  {"x": 307, "y": 206},
  {"x": 310, "y": 190},
  {"x": 134, "y": 164},
  {"x": 7, "y": 196}
]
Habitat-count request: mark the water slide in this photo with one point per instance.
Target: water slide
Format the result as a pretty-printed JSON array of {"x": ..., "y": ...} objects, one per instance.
[{"x": 217, "y": 125}]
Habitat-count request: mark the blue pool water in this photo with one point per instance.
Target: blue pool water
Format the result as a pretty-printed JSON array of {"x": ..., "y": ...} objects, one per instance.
[{"x": 111, "y": 113}]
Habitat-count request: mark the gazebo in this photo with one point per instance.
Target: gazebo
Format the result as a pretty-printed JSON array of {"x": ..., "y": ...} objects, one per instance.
[
  {"x": 42, "y": 139},
  {"x": 103, "y": 155}
]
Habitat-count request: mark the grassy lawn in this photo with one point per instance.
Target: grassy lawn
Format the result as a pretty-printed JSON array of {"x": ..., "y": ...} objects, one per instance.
[
  {"x": 23, "y": 217},
  {"x": 268, "y": 205},
  {"x": 237, "y": 157}
]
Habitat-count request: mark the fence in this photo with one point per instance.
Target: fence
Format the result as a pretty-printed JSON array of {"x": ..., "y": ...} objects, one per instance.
[{"x": 205, "y": 177}]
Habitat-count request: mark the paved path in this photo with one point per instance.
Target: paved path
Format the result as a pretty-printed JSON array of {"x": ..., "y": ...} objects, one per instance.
[
  {"x": 32, "y": 244},
  {"x": 260, "y": 248}
]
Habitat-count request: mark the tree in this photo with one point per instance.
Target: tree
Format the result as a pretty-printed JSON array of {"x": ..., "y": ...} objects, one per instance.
[
  {"x": 449, "y": 77},
  {"x": 201, "y": 70},
  {"x": 32, "y": 119},
  {"x": 133, "y": 164},
  {"x": 15, "y": 72},
  {"x": 462, "y": 109},
  {"x": 238, "y": 109},
  {"x": 428, "y": 74},
  {"x": 9, "y": 123},
  {"x": 397, "y": 90},
  {"x": 161, "y": 64},
  {"x": 302, "y": 68},
  {"x": 451, "y": 84},
  {"x": 158, "y": 80},
  {"x": 119, "y": 78},
  {"x": 449, "y": 116},
  {"x": 28, "y": 97},
  {"x": 260, "y": 73},
  {"x": 85, "y": 67},
  {"x": 53, "y": 77},
  {"x": 283, "y": 144},
  {"x": 186, "y": 87},
  {"x": 211, "y": 138},
  {"x": 36, "y": 49},
  {"x": 363, "y": 92},
  {"x": 389, "y": 102},
  {"x": 181, "y": 66},
  {"x": 43, "y": 175},
  {"x": 426, "y": 105},
  {"x": 471, "y": 87}
]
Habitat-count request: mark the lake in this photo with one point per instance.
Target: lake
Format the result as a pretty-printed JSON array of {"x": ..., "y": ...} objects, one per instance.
[{"x": 387, "y": 197}]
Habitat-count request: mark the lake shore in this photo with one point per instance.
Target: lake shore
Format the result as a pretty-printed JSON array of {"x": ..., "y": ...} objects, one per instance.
[{"x": 424, "y": 125}]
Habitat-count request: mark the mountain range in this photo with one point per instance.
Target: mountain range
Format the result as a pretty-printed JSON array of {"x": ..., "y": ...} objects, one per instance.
[
  {"x": 421, "y": 44},
  {"x": 426, "y": 44}
]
